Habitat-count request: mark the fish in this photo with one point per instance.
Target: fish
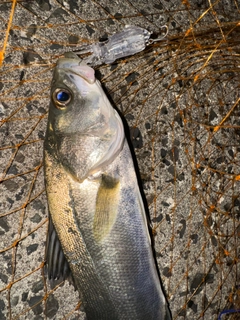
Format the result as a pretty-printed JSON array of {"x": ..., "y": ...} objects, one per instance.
[{"x": 98, "y": 230}]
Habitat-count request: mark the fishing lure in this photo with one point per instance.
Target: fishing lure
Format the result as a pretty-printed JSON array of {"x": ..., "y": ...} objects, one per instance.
[{"x": 121, "y": 44}]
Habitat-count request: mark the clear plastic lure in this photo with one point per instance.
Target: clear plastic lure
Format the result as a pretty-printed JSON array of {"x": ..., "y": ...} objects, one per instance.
[{"x": 121, "y": 44}]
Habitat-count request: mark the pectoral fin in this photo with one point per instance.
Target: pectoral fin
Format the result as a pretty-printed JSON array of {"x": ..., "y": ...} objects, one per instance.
[
  {"x": 106, "y": 207},
  {"x": 57, "y": 266}
]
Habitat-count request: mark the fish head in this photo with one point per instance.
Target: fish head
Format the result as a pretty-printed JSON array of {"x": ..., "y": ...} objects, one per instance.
[
  {"x": 84, "y": 129},
  {"x": 75, "y": 106}
]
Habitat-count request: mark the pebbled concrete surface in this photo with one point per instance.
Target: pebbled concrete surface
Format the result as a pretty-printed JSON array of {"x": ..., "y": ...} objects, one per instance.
[{"x": 180, "y": 100}]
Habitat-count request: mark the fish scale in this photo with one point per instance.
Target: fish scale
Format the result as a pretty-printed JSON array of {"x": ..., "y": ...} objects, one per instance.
[
  {"x": 95, "y": 204},
  {"x": 79, "y": 260}
]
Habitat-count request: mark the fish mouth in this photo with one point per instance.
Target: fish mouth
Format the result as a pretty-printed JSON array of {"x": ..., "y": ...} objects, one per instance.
[{"x": 73, "y": 64}]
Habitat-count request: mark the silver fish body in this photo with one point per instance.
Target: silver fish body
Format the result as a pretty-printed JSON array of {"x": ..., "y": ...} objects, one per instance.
[{"x": 94, "y": 202}]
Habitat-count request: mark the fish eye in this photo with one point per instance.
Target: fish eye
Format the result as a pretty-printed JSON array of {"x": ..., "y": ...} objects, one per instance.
[{"x": 61, "y": 97}]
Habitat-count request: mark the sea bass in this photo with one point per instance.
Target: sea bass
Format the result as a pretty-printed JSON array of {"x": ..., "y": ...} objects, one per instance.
[{"x": 98, "y": 228}]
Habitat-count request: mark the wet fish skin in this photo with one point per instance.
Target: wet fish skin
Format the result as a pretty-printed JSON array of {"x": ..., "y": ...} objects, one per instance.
[{"x": 95, "y": 204}]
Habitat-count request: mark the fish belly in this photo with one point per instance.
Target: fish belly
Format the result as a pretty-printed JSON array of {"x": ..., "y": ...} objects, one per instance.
[{"x": 109, "y": 253}]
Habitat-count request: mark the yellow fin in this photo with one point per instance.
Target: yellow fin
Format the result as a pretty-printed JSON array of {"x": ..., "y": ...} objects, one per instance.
[{"x": 106, "y": 207}]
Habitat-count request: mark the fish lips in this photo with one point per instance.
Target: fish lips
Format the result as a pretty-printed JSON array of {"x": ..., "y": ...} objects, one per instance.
[{"x": 71, "y": 63}]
